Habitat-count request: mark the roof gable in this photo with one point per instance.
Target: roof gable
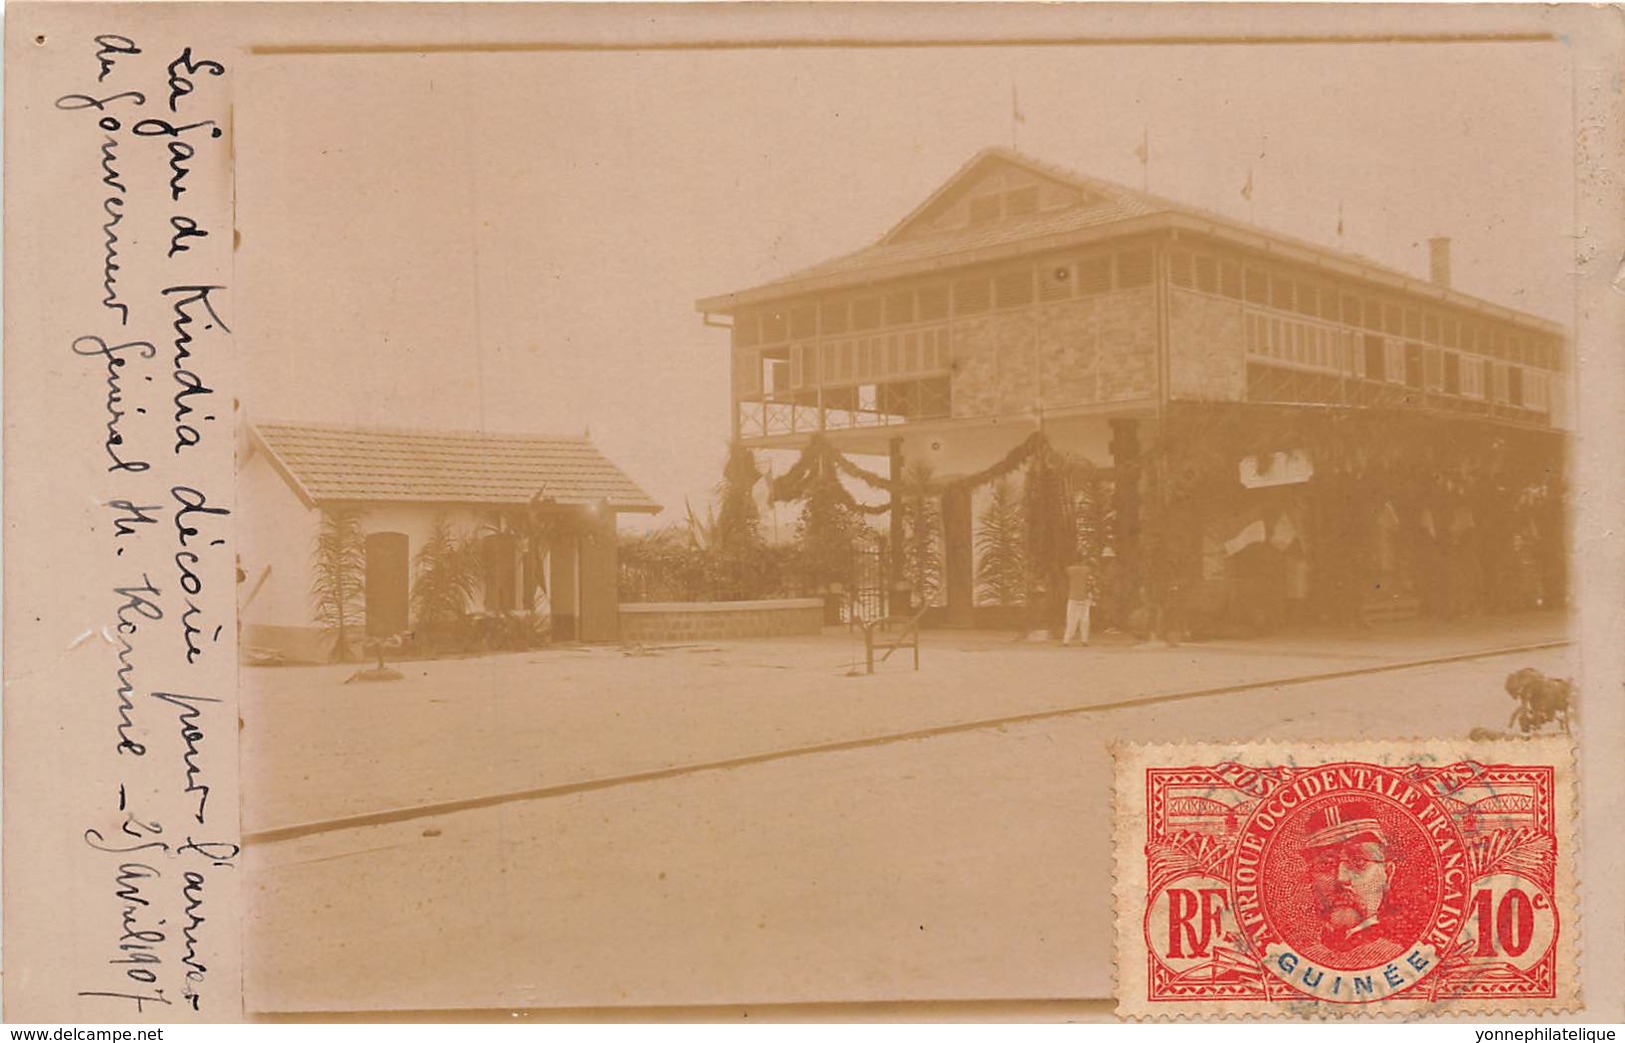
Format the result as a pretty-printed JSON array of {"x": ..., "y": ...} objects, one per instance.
[
  {"x": 331, "y": 463},
  {"x": 996, "y": 187}
]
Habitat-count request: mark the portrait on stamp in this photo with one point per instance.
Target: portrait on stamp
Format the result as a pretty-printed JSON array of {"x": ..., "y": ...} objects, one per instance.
[{"x": 1271, "y": 882}]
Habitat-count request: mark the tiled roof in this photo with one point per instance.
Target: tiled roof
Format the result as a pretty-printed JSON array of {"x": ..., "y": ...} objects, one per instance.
[
  {"x": 946, "y": 244},
  {"x": 332, "y": 463},
  {"x": 897, "y": 254}
]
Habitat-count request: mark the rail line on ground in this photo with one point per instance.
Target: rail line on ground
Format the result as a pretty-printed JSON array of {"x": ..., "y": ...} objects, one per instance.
[{"x": 562, "y": 789}]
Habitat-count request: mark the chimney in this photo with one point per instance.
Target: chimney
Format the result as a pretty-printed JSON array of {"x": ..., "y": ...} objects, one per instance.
[{"x": 1439, "y": 261}]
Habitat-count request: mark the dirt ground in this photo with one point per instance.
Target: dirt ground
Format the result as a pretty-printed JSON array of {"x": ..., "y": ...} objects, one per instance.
[{"x": 791, "y": 833}]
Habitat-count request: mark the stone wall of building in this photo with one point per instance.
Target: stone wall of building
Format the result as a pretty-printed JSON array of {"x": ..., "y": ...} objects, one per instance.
[
  {"x": 1070, "y": 353},
  {"x": 713, "y": 620},
  {"x": 1207, "y": 347}
]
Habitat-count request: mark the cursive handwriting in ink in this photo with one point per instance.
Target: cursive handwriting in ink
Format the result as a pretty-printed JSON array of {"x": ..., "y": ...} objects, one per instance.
[
  {"x": 185, "y": 228},
  {"x": 109, "y": 47},
  {"x": 92, "y": 347},
  {"x": 190, "y": 383},
  {"x": 137, "y": 605},
  {"x": 113, "y": 204},
  {"x": 195, "y": 969},
  {"x": 191, "y": 734},
  {"x": 180, "y": 150},
  {"x": 130, "y": 515},
  {"x": 191, "y": 502},
  {"x": 181, "y": 71},
  {"x": 140, "y": 935}
]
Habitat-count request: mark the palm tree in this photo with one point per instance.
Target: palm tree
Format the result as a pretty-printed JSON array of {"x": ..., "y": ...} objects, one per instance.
[
  {"x": 339, "y": 569},
  {"x": 1001, "y": 568},
  {"x": 923, "y": 524},
  {"x": 446, "y": 576}
]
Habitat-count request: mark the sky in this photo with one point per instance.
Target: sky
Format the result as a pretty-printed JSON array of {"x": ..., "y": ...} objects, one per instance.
[{"x": 514, "y": 242}]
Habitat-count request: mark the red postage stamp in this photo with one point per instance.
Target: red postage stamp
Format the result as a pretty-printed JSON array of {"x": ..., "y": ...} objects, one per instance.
[{"x": 1369, "y": 878}]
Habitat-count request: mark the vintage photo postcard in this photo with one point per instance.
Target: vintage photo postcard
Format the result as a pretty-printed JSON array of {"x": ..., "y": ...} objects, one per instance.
[{"x": 822, "y": 511}]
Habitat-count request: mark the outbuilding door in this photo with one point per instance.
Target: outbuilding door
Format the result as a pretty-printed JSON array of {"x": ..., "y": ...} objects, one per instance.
[{"x": 387, "y": 582}]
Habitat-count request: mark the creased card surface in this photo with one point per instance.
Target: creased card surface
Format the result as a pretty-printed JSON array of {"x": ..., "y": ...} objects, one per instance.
[{"x": 537, "y": 507}]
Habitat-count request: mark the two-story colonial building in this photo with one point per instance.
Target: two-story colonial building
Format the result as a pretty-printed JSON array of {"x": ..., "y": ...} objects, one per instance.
[{"x": 1020, "y": 295}]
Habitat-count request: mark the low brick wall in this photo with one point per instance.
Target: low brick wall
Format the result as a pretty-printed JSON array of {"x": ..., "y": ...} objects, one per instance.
[{"x": 708, "y": 620}]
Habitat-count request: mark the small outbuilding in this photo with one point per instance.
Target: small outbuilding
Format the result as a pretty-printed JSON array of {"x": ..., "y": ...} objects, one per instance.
[{"x": 491, "y": 492}]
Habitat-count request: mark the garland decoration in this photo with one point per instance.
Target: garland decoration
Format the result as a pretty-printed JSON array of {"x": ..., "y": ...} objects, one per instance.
[{"x": 793, "y": 483}]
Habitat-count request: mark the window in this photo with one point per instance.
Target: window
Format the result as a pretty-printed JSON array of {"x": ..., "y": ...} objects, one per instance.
[
  {"x": 1452, "y": 333},
  {"x": 1413, "y": 366},
  {"x": 1375, "y": 357},
  {"x": 1207, "y": 274},
  {"x": 1013, "y": 288},
  {"x": 1472, "y": 377},
  {"x": 932, "y": 303},
  {"x": 1094, "y": 275},
  {"x": 1430, "y": 328},
  {"x": 1351, "y": 310},
  {"x": 1371, "y": 314},
  {"x": 833, "y": 317},
  {"x": 972, "y": 296},
  {"x": 1452, "y": 373},
  {"x": 1133, "y": 269},
  {"x": 1391, "y": 319},
  {"x": 1179, "y": 269},
  {"x": 1413, "y": 323},
  {"x": 747, "y": 330},
  {"x": 1258, "y": 287},
  {"x": 1281, "y": 294},
  {"x": 747, "y": 373},
  {"x": 1515, "y": 385},
  {"x": 1535, "y": 392},
  {"x": 1498, "y": 381},
  {"x": 1230, "y": 280},
  {"x": 900, "y": 308},
  {"x": 1395, "y": 365},
  {"x": 1054, "y": 281},
  {"x": 1328, "y": 304},
  {"x": 1308, "y": 300},
  {"x": 804, "y": 322},
  {"x": 499, "y": 558}
]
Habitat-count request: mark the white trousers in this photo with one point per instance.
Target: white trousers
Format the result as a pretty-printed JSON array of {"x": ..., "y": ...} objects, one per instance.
[{"x": 1077, "y": 620}]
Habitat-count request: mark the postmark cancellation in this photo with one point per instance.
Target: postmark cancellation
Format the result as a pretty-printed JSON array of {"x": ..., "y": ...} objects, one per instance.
[{"x": 1318, "y": 880}]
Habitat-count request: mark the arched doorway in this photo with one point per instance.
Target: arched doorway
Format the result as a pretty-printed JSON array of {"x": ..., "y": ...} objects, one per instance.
[{"x": 387, "y": 584}]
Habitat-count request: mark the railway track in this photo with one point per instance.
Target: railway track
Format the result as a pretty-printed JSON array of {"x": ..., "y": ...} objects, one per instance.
[{"x": 438, "y": 808}]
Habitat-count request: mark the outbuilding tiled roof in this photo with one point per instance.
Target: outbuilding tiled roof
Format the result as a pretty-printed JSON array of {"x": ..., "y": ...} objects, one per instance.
[{"x": 331, "y": 463}]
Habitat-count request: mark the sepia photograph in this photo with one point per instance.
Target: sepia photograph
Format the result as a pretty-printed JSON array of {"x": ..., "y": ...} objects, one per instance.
[
  {"x": 704, "y": 512},
  {"x": 926, "y": 512}
]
